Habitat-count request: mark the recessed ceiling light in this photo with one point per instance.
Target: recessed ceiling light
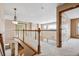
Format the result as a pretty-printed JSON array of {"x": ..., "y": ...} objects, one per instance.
[{"x": 42, "y": 7}]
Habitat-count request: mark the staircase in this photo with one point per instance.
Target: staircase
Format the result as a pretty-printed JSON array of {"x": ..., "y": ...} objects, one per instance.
[{"x": 24, "y": 49}]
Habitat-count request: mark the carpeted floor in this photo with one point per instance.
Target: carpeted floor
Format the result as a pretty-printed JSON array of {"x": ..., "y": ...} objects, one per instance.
[{"x": 69, "y": 48}]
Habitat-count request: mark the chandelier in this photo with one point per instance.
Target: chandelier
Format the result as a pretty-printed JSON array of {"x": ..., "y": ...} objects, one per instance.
[{"x": 15, "y": 18}]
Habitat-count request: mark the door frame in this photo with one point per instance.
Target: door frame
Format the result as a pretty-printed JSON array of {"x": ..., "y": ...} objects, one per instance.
[
  {"x": 60, "y": 9},
  {"x": 73, "y": 28},
  {"x": 74, "y": 25}
]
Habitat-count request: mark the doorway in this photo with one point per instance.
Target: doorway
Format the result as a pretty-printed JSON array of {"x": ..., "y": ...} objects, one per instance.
[{"x": 61, "y": 9}]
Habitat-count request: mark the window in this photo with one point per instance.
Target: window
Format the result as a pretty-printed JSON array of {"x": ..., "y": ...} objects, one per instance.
[
  {"x": 45, "y": 27},
  {"x": 52, "y": 26}
]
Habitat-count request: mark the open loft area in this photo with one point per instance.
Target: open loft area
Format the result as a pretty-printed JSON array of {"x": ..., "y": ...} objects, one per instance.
[{"x": 39, "y": 29}]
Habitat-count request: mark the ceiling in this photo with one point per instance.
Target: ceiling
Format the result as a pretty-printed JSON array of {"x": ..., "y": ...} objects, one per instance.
[{"x": 30, "y": 12}]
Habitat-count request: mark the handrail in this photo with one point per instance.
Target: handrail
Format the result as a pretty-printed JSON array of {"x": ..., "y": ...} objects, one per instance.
[
  {"x": 25, "y": 44},
  {"x": 29, "y": 46},
  {"x": 35, "y": 30}
]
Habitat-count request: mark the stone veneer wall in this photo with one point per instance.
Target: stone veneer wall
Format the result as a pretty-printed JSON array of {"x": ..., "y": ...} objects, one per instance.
[
  {"x": 9, "y": 31},
  {"x": 65, "y": 28}
]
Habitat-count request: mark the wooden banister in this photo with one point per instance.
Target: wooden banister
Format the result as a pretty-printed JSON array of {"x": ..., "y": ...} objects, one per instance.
[
  {"x": 24, "y": 45},
  {"x": 2, "y": 45},
  {"x": 36, "y": 30},
  {"x": 39, "y": 31},
  {"x": 27, "y": 45}
]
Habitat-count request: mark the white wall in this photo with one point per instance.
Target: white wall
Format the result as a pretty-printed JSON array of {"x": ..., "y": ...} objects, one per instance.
[
  {"x": 74, "y": 13},
  {"x": 2, "y": 22},
  {"x": 2, "y": 29},
  {"x": 9, "y": 31},
  {"x": 65, "y": 28},
  {"x": 2, "y": 26},
  {"x": 6, "y": 28},
  {"x": 66, "y": 18}
]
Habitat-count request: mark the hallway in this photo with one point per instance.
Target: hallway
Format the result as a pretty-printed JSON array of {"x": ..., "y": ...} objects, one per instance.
[{"x": 44, "y": 28}]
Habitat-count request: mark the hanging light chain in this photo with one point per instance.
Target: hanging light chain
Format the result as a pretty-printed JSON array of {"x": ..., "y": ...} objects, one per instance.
[{"x": 15, "y": 14}]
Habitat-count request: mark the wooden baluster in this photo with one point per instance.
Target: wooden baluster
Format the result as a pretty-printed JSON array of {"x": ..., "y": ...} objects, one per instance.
[
  {"x": 35, "y": 35},
  {"x": 12, "y": 49},
  {"x": 38, "y": 40},
  {"x": 23, "y": 35}
]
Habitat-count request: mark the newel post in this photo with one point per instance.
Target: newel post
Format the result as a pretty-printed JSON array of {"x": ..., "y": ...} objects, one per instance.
[{"x": 38, "y": 40}]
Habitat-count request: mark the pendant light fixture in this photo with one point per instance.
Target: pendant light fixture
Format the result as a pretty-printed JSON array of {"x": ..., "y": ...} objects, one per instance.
[{"x": 15, "y": 18}]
